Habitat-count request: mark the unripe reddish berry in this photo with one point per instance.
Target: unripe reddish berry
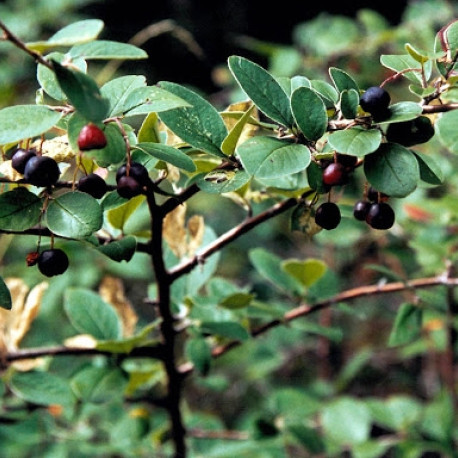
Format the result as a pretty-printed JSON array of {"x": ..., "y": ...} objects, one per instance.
[{"x": 91, "y": 137}]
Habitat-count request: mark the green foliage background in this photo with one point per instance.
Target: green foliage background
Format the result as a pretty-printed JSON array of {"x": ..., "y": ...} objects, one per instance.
[{"x": 363, "y": 377}]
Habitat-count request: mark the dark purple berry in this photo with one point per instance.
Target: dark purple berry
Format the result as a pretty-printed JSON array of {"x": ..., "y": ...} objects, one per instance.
[
  {"x": 20, "y": 158},
  {"x": 376, "y": 100},
  {"x": 41, "y": 171},
  {"x": 128, "y": 187},
  {"x": 328, "y": 215},
  {"x": 135, "y": 170},
  {"x": 361, "y": 209},
  {"x": 93, "y": 185},
  {"x": 52, "y": 262},
  {"x": 380, "y": 216},
  {"x": 376, "y": 196}
]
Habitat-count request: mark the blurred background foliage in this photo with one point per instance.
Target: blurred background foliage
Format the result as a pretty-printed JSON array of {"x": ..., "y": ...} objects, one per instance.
[{"x": 339, "y": 360}]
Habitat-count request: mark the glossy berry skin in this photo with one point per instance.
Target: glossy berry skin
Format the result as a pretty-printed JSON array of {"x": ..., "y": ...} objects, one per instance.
[
  {"x": 380, "y": 216},
  {"x": 41, "y": 171},
  {"x": 136, "y": 170},
  {"x": 52, "y": 262},
  {"x": 335, "y": 174},
  {"x": 361, "y": 209},
  {"x": 328, "y": 215},
  {"x": 93, "y": 185},
  {"x": 20, "y": 158},
  {"x": 410, "y": 133},
  {"x": 128, "y": 187},
  {"x": 375, "y": 196},
  {"x": 376, "y": 100},
  {"x": 91, "y": 137}
]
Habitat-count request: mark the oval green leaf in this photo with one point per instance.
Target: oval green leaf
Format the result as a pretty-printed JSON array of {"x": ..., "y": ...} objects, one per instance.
[
  {"x": 349, "y": 102},
  {"x": 355, "y": 141},
  {"x": 74, "y": 215},
  {"x": 200, "y": 124},
  {"x": 402, "y": 111},
  {"x": 342, "y": 80},
  {"x": 19, "y": 209},
  {"x": 392, "y": 169},
  {"x": 263, "y": 89},
  {"x": 42, "y": 387},
  {"x": 269, "y": 157},
  {"x": 107, "y": 49},
  {"x": 89, "y": 314},
  {"x": 307, "y": 272},
  {"x": 309, "y": 112},
  {"x": 120, "y": 250},
  {"x": 447, "y": 131},
  {"x": 430, "y": 171},
  {"x": 168, "y": 154},
  {"x": 26, "y": 121},
  {"x": 222, "y": 182}
]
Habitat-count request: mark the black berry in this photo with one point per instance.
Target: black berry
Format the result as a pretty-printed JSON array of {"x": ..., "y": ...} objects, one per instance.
[
  {"x": 135, "y": 170},
  {"x": 91, "y": 137},
  {"x": 335, "y": 174},
  {"x": 52, "y": 262},
  {"x": 410, "y": 133},
  {"x": 93, "y": 184},
  {"x": 328, "y": 215},
  {"x": 20, "y": 158},
  {"x": 380, "y": 216},
  {"x": 41, "y": 171},
  {"x": 376, "y": 196},
  {"x": 376, "y": 100},
  {"x": 361, "y": 209},
  {"x": 128, "y": 187}
]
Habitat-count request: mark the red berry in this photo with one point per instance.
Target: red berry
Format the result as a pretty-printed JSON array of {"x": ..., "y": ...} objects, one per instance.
[
  {"x": 91, "y": 137},
  {"x": 335, "y": 174}
]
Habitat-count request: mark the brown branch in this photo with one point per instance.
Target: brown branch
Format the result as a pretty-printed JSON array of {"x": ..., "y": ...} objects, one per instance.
[
  {"x": 348, "y": 295},
  {"x": 230, "y": 236},
  {"x": 9, "y": 36},
  {"x": 219, "y": 435}
]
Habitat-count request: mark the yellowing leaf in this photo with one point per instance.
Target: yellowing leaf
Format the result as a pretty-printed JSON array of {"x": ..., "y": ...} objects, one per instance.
[
  {"x": 58, "y": 148},
  {"x": 81, "y": 341},
  {"x": 174, "y": 231},
  {"x": 196, "y": 229},
  {"x": 306, "y": 272},
  {"x": 111, "y": 290}
]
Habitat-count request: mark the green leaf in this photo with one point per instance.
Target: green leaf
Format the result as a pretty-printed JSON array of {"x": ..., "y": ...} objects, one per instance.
[
  {"x": 269, "y": 157},
  {"x": 308, "y": 438},
  {"x": 19, "y": 209},
  {"x": 118, "y": 90},
  {"x": 115, "y": 151},
  {"x": 342, "y": 80},
  {"x": 349, "y": 102},
  {"x": 98, "y": 384},
  {"x": 416, "y": 54},
  {"x": 430, "y": 171},
  {"x": 26, "y": 121},
  {"x": 72, "y": 34},
  {"x": 346, "y": 421},
  {"x": 306, "y": 272},
  {"x": 268, "y": 266},
  {"x": 263, "y": 89},
  {"x": 222, "y": 182},
  {"x": 89, "y": 314},
  {"x": 392, "y": 169},
  {"x": 309, "y": 112},
  {"x": 327, "y": 91},
  {"x": 402, "y": 111},
  {"x": 120, "y": 250},
  {"x": 407, "y": 325},
  {"x": 74, "y": 214},
  {"x": 228, "y": 329},
  {"x": 406, "y": 64},
  {"x": 5, "y": 296},
  {"x": 168, "y": 154},
  {"x": 200, "y": 125},
  {"x": 106, "y": 49},
  {"x": 236, "y": 301},
  {"x": 119, "y": 215},
  {"x": 355, "y": 141},
  {"x": 199, "y": 352},
  {"x": 82, "y": 92},
  {"x": 47, "y": 78},
  {"x": 43, "y": 388},
  {"x": 144, "y": 100},
  {"x": 446, "y": 130}
]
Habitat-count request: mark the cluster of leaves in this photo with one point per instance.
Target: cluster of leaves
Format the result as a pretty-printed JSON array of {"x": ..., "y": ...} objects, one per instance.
[{"x": 268, "y": 150}]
